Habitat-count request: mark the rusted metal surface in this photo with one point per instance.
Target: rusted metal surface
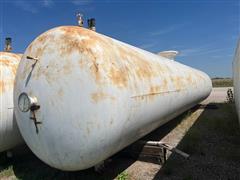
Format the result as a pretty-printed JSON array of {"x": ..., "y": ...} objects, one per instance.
[
  {"x": 236, "y": 79},
  {"x": 97, "y": 95},
  {"x": 9, "y": 133}
]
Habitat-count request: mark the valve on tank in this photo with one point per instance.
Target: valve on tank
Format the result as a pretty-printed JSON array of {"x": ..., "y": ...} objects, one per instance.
[
  {"x": 80, "y": 19},
  {"x": 8, "y": 44},
  {"x": 92, "y": 24}
]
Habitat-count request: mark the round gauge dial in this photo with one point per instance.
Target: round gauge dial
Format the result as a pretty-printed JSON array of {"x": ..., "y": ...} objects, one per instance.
[{"x": 24, "y": 102}]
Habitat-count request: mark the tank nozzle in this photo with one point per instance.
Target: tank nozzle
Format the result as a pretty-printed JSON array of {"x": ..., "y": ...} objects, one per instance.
[{"x": 8, "y": 44}]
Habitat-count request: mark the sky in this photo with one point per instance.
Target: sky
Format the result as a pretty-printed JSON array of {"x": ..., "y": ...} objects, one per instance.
[{"x": 204, "y": 32}]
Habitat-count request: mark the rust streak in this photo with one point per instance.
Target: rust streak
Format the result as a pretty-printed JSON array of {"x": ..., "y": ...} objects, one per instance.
[
  {"x": 118, "y": 78},
  {"x": 155, "y": 89},
  {"x": 10, "y": 65},
  {"x": 100, "y": 56},
  {"x": 6, "y": 85},
  {"x": 156, "y": 93},
  {"x": 100, "y": 96},
  {"x": 2, "y": 86}
]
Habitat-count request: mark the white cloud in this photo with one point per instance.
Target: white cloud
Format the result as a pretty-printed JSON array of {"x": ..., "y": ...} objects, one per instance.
[
  {"x": 190, "y": 51},
  {"x": 32, "y": 6},
  {"x": 202, "y": 51},
  {"x": 81, "y": 2},
  {"x": 47, "y": 3},
  {"x": 26, "y": 6},
  {"x": 166, "y": 30}
]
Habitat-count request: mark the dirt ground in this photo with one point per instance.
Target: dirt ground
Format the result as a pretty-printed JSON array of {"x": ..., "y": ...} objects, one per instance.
[{"x": 210, "y": 135}]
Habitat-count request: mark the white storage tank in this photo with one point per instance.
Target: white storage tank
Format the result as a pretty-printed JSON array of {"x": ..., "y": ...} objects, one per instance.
[
  {"x": 9, "y": 133},
  {"x": 236, "y": 79},
  {"x": 80, "y": 96}
]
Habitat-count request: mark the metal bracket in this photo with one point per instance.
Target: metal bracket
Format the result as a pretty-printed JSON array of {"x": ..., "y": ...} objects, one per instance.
[
  {"x": 36, "y": 123},
  {"x": 32, "y": 58},
  {"x": 33, "y": 65},
  {"x": 165, "y": 146},
  {"x": 152, "y": 150}
]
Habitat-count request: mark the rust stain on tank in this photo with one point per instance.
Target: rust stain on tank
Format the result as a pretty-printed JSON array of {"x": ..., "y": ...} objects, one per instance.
[
  {"x": 6, "y": 85},
  {"x": 142, "y": 68},
  {"x": 8, "y": 64},
  {"x": 119, "y": 62},
  {"x": 191, "y": 80},
  {"x": 41, "y": 41},
  {"x": 165, "y": 84},
  {"x": 11, "y": 66},
  {"x": 100, "y": 96},
  {"x": 2, "y": 86},
  {"x": 42, "y": 38},
  {"x": 11, "y": 55},
  {"x": 94, "y": 68},
  {"x": 178, "y": 82},
  {"x": 154, "y": 89},
  {"x": 86, "y": 46},
  {"x": 67, "y": 68},
  {"x": 118, "y": 77},
  {"x": 69, "y": 30},
  {"x": 39, "y": 51}
]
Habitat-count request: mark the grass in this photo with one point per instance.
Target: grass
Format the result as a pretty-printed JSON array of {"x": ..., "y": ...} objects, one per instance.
[
  {"x": 7, "y": 172},
  {"x": 123, "y": 176},
  {"x": 222, "y": 82}
]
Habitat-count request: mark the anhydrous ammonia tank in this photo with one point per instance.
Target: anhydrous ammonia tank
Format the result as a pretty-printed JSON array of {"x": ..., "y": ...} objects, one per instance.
[
  {"x": 236, "y": 79},
  {"x": 80, "y": 96},
  {"x": 9, "y": 133}
]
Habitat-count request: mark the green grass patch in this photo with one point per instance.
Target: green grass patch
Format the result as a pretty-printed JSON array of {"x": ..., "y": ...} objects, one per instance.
[
  {"x": 222, "y": 82},
  {"x": 123, "y": 176}
]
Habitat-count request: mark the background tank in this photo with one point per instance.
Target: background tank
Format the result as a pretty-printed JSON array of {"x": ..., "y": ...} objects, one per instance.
[
  {"x": 236, "y": 79},
  {"x": 9, "y": 133},
  {"x": 92, "y": 95}
]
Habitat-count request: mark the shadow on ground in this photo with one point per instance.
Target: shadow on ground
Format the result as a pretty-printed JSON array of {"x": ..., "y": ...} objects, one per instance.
[
  {"x": 213, "y": 142},
  {"x": 214, "y": 145}
]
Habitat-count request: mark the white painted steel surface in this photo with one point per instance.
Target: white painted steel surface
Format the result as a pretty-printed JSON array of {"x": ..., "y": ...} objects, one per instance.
[
  {"x": 169, "y": 54},
  {"x": 236, "y": 79},
  {"x": 97, "y": 95},
  {"x": 9, "y": 133}
]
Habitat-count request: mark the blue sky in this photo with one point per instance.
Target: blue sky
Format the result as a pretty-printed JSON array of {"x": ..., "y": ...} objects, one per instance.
[{"x": 205, "y": 32}]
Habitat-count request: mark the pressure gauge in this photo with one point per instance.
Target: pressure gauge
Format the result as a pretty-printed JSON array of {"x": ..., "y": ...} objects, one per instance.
[{"x": 25, "y": 102}]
